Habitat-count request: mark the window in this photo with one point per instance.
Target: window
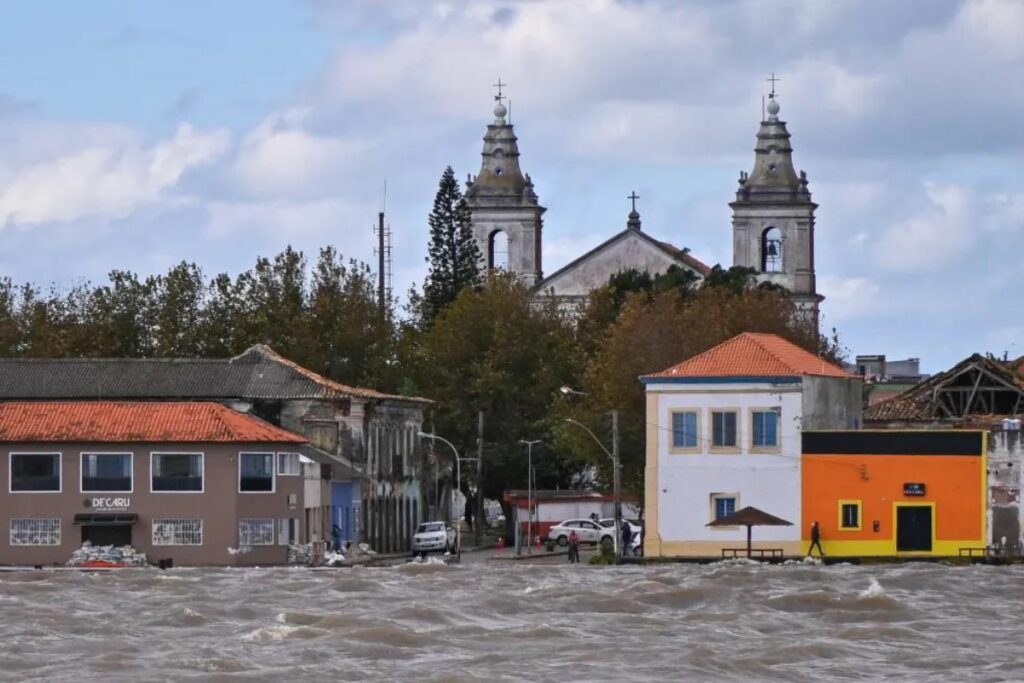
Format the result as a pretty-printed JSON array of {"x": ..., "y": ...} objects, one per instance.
[
  {"x": 255, "y": 532},
  {"x": 288, "y": 465},
  {"x": 256, "y": 472},
  {"x": 35, "y": 472},
  {"x": 106, "y": 472},
  {"x": 288, "y": 531},
  {"x": 849, "y": 514},
  {"x": 35, "y": 532},
  {"x": 177, "y": 531},
  {"x": 765, "y": 428},
  {"x": 177, "y": 472},
  {"x": 723, "y": 429},
  {"x": 723, "y": 505},
  {"x": 684, "y": 430}
]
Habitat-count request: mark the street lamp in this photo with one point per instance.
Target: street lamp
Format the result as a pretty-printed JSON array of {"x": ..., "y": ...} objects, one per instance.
[
  {"x": 529, "y": 495},
  {"x": 458, "y": 487},
  {"x": 616, "y": 466}
]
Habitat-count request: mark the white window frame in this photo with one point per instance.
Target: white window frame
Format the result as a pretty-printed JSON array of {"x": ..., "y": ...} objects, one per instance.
[
  {"x": 176, "y": 540},
  {"x": 273, "y": 473},
  {"x": 202, "y": 470},
  {"x": 10, "y": 471},
  {"x": 774, "y": 448},
  {"x": 251, "y": 520},
  {"x": 281, "y": 459},
  {"x": 37, "y": 520},
  {"x": 672, "y": 447},
  {"x": 131, "y": 470}
]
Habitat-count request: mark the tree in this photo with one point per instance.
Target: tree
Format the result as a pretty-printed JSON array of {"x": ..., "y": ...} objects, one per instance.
[
  {"x": 453, "y": 254},
  {"x": 180, "y": 297},
  {"x": 493, "y": 350}
]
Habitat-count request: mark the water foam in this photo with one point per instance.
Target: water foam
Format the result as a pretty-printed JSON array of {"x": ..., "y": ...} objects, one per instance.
[{"x": 874, "y": 590}]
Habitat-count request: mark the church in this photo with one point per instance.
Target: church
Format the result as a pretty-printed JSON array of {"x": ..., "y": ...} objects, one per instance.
[{"x": 772, "y": 223}]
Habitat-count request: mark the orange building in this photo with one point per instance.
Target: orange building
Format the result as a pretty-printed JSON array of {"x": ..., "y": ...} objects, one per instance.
[{"x": 895, "y": 493}]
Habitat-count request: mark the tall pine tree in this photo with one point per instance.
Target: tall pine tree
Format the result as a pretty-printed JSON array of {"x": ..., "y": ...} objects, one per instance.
[{"x": 453, "y": 256}]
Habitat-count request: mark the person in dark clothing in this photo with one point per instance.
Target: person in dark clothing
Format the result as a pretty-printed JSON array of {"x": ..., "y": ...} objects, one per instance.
[
  {"x": 627, "y": 536},
  {"x": 815, "y": 540},
  {"x": 469, "y": 513},
  {"x": 336, "y": 537}
]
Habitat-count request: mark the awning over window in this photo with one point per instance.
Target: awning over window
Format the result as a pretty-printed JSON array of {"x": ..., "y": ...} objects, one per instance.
[{"x": 112, "y": 519}]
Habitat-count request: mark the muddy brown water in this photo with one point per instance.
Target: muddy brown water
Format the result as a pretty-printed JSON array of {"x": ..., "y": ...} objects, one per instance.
[{"x": 503, "y": 621}]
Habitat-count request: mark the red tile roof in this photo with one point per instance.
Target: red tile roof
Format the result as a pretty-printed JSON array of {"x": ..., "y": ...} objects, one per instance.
[
  {"x": 754, "y": 355},
  {"x": 136, "y": 421}
]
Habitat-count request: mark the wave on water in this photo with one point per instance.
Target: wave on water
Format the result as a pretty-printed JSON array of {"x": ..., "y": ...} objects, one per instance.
[{"x": 874, "y": 590}]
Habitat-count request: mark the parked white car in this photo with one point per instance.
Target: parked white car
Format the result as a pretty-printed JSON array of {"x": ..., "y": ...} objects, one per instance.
[
  {"x": 635, "y": 527},
  {"x": 587, "y": 530},
  {"x": 433, "y": 537}
]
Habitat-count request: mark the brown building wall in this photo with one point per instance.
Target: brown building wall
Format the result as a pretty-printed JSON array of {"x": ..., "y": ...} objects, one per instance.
[{"x": 219, "y": 505}]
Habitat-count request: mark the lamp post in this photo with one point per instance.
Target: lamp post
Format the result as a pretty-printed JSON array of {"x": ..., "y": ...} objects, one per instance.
[
  {"x": 616, "y": 467},
  {"x": 529, "y": 494},
  {"x": 458, "y": 487}
]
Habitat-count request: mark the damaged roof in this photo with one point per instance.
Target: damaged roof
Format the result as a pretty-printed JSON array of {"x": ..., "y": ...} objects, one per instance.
[
  {"x": 257, "y": 373},
  {"x": 923, "y": 401}
]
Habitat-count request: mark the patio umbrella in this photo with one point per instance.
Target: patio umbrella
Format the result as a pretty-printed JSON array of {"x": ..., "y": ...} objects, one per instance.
[{"x": 749, "y": 517}]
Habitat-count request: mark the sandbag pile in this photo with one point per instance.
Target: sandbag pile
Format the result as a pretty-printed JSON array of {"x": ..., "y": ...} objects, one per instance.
[{"x": 107, "y": 555}]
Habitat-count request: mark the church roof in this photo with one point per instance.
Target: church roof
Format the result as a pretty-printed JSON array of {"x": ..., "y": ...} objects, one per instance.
[
  {"x": 754, "y": 355},
  {"x": 671, "y": 250}
]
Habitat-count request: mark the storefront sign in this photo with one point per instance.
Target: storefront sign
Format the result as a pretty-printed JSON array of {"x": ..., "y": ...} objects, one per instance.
[
  {"x": 100, "y": 504},
  {"x": 910, "y": 489}
]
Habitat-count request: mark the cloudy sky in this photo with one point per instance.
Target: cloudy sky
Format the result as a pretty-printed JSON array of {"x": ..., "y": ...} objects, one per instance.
[{"x": 135, "y": 135}]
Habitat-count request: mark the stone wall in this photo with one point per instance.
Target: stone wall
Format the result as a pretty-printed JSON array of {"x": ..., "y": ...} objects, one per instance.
[{"x": 1005, "y": 460}]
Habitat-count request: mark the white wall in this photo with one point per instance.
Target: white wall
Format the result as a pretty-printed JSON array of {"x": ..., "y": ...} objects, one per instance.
[{"x": 770, "y": 482}]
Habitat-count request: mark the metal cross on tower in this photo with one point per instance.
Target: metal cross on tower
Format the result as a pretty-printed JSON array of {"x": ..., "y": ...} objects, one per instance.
[
  {"x": 773, "y": 79},
  {"x": 633, "y": 197},
  {"x": 499, "y": 85}
]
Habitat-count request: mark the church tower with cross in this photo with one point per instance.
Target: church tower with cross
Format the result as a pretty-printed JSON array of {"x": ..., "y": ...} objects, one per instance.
[
  {"x": 504, "y": 210},
  {"x": 773, "y": 216}
]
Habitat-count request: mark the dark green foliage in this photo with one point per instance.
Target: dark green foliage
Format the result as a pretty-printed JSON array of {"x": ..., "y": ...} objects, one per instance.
[{"x": 453, "y": 255}]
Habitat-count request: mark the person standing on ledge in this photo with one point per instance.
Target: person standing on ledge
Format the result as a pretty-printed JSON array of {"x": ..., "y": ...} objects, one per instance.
[{"x": 815, "y": 540}]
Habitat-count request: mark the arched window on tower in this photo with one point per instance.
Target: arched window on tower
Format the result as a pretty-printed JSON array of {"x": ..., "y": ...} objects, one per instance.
[
  {"x": 771, "y": 250},
  {"x": 497, "y": 250}
]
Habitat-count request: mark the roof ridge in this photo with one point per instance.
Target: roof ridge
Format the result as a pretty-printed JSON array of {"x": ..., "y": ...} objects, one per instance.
[{"x": 758, "y": 339}]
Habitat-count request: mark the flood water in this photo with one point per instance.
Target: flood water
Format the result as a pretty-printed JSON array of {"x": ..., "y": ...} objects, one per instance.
[{"x": 504, "y": 621}]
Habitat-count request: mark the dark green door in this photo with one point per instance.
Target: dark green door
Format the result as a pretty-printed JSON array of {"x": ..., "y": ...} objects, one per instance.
[{"x": 913, "y": 528}]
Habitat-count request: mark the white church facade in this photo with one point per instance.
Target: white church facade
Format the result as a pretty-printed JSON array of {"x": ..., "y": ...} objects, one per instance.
[{"x": 772, "y": 224}]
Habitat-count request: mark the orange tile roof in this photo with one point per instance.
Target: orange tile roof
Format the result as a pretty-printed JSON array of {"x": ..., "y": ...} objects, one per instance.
[
  {"x": 134, "y": 421},
  {"x": 754, "y": 355}
]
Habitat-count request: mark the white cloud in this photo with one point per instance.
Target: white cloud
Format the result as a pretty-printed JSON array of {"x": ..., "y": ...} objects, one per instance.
[
  {"x": 105, "y": 182},
  {"x": 935, "y": 237},
  {"x": 848, "y": 298},
  {"x": 332, "y": 220},
  {"x": 281, "y": 157}
]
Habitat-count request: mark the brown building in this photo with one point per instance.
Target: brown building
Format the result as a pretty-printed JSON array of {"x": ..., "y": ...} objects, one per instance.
[{"x": 196, "y": 483}]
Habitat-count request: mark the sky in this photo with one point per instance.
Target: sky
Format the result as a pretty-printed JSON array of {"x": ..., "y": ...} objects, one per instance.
[{"x": 137, "y": 135}]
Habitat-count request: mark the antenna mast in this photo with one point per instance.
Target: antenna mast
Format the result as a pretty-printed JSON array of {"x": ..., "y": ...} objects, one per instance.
[{"x": 383, "y": 253}]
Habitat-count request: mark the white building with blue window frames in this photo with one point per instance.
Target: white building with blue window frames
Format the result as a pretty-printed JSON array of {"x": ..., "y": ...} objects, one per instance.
[{"x": 723, "y": 433}]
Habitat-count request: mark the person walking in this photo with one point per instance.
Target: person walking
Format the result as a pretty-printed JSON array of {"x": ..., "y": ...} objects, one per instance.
[
  {"x": 574, "y": 547},
  {"x": 336, "y": 537},
  {"x": 815, "y": 540},
  {"x": 627, "y": 536}
]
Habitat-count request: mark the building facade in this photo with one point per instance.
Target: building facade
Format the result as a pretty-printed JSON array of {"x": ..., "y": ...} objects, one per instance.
[
  {"x": 362, "y": 441},
  {"x": 723, "y": 433},
  {"x": 896, "y": 493},
  {"x": 773, "y": 218},
  {"x": 194, "y": 483}
]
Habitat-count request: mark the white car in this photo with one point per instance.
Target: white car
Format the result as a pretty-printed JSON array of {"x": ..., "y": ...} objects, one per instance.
[
  {"x": 433, "y": 537},
  {"x": 587, "y": 530}
]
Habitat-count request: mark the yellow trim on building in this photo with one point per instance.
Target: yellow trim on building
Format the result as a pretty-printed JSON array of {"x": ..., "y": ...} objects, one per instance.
[
  {"x": 652, "y": 495},
  {"x": 860, "y": 515}
]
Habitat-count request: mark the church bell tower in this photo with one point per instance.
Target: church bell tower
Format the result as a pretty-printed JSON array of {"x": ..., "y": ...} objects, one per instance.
[
  {"x": 773, "y": 217},
  {"x": 504, "y": 211}
]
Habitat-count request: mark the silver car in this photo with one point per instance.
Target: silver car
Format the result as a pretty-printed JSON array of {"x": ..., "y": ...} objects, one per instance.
[
  {"x": 433, "y": 537},
  {"x": 587, "y": 531}
]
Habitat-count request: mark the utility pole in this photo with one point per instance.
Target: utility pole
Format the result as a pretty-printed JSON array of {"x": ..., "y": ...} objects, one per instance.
[
  {"x": 617, "y": 484},
  {"x": 381, "y": 274},
  {"x": 478, "y": 531},
  {"x": 529, "y": 498}
]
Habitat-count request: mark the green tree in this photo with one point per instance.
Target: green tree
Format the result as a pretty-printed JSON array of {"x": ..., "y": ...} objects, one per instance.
[
  {"x": 453, "y": 255},
  {"x": 492, "y": 350},
  {"x": 180, "y": 297}
]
